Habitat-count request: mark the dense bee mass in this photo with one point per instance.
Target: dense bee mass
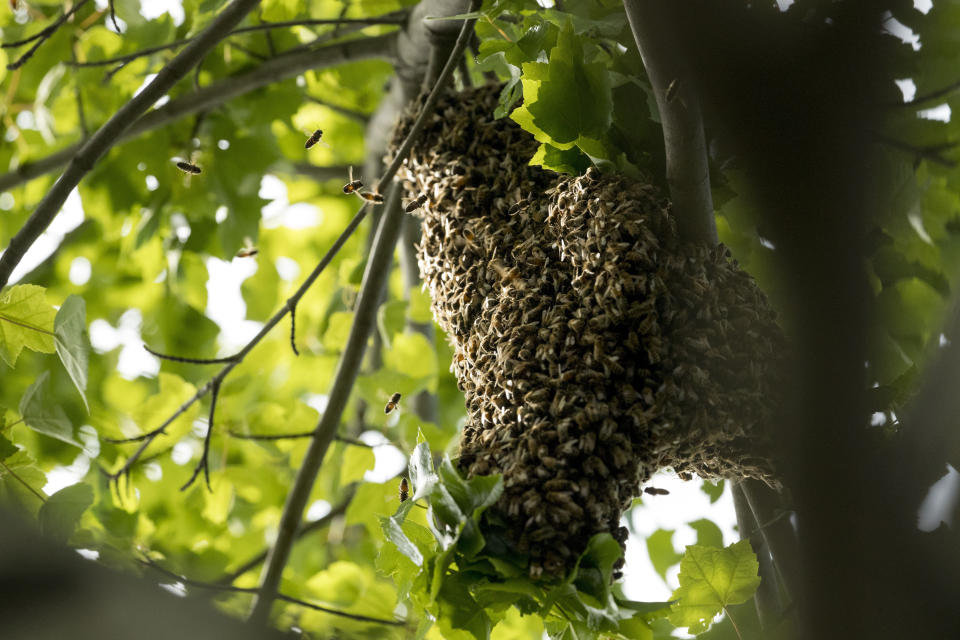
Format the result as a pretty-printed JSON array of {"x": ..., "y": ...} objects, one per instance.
[{"x": 592, "y": 347}]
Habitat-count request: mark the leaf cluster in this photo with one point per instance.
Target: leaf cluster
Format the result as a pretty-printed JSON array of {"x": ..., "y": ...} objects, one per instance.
[{"x": 461, "y": 570}]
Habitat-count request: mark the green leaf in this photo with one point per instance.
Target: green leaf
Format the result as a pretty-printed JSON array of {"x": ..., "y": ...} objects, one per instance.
[
  {"x": 568, "y": 97},
  {"x": 710, "y": 580},
  {"x": 59, "y": 515},
  {"x": 708, "y": 533},
  {"x": 714, "y": 490},
  {"x": 43, "y": 414},
  {"x": 72, "y": 342},
  {"x": 26, "y": 320},
  {"x": 7, "y": 448},
  {"x": 354, "y": 463},
  {"x": 661, "y": 551},
  {"x": 390, "y": 320},
  {"x": 460, "y": 614},
  {"x": 393, "y": 532}
]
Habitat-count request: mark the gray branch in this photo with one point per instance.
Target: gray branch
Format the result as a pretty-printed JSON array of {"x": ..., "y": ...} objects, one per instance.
[
  {"x": 688, "y": 172},
  {"x": 374, "y": 280}
]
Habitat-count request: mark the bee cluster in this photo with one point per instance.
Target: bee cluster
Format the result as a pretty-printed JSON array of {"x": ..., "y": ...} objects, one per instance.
[{"x": 593, "y": 348}]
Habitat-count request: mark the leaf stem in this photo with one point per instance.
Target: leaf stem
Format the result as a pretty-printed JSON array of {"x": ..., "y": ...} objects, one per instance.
[
  {"x": 733, "y": 622},
  {"x": 25, "y": 325}
]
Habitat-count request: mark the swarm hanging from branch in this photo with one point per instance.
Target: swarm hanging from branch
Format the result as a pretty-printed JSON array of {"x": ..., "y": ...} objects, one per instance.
[{"x": 593, "y": 347}]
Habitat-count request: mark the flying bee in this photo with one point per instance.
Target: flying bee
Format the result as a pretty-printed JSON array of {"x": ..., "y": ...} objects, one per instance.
[
  {"x": 654, "y": 491},
  {"x": 314, "y": 139},
  {"x": 188, "y": 167},
  {"x": 370, "y": 196},
  {"x": 413, "y": 205},
  {"x": 404, "y": 490},
  {"x": 353, "y": 185},
  {"x": 248, "y": 250},
  {"x": 394, "y": 399}
]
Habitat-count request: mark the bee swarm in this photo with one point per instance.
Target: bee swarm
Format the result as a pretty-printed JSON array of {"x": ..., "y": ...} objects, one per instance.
[{"x": 593, "y": 348}]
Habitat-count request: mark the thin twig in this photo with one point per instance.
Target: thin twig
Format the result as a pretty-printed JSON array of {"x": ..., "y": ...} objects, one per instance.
[
  {"x": 204, "y": 462},
  {"x": 303, "y": 603},
  {"x": 933, "y": 95},
  {"x": 275, "y": 70},
  {"x": 305, "y": 527},
  {"x": 108, "y": 135},
  {"x": 293, "y": 326},
  {"x": 272, "y": 436},
  {"x": 394, "y": 18},
  {"x": 373, "y": 281},
  {"x": 164, "y": 356},
  {"x": 40, "y": 37},
  {"x": 113, "y": 17},
  {"x": 305, "y": 434},
  {"x": 148, "y": 437},
  {"x": 362, "y": 118},
  {"x": 928, "y": 152}
]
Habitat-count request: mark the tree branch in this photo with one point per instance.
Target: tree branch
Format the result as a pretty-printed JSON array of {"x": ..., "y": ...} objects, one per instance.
[
  {"x": 204, "y": 462},
  {"x": 766, "y": 598},
  {"x": 394, "y": 18},
  {"x": 113, "y": 129},
  {"x": 279, "y": 68},
  {"x": 374, "y": 280},
  {"x": 40, "y": 37},
  {"x": 303, "y": 603},
  {"x": 688, "y": 172}
]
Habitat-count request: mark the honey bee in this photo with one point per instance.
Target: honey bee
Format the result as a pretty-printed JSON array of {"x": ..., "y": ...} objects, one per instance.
[
  {"x": 404, "y": 490},
  {"x": 314, "y": 139},
  {"x": 352, "y": 185},
  {"x": 188, "y": 167},
  {"x": 413, "y": 205},
  {"x": 654, "y": 491},
  {"x": 394, "y": 399},
  {"x": 369, "y": 196},
  {"x": 247, "y": 252}
]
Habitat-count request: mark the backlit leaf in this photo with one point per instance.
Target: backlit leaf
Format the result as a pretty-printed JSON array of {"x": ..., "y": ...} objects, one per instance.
[
  {"x": 26, "y": 320},
  {"x": 711, "y": 579}
]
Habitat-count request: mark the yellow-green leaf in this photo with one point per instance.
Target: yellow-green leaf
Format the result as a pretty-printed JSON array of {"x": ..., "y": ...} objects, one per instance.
[
  {"x": 26, "y": 320},
  {"x": 710, "y": 580}
]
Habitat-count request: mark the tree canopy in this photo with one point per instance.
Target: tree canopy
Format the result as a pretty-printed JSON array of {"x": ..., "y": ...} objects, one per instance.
[{"x": 151, "y": 164}]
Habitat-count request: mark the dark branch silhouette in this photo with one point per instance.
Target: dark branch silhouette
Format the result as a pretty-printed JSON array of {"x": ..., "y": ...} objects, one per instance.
[
  {"x": 204, "y": 462},
  {"x": 40, "y": 37},
  {"x": 304, "y": 434},
  {"x": 280, "y": 68},
  {"x": 164, "y": 356},
  {"x": 303, "y": 603},
  {"x": 929, "y": 152},
  {"x": 373, "y": 281},
  {"x": 394, "y": 18},
  {"x": 293, "y": 326}
]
